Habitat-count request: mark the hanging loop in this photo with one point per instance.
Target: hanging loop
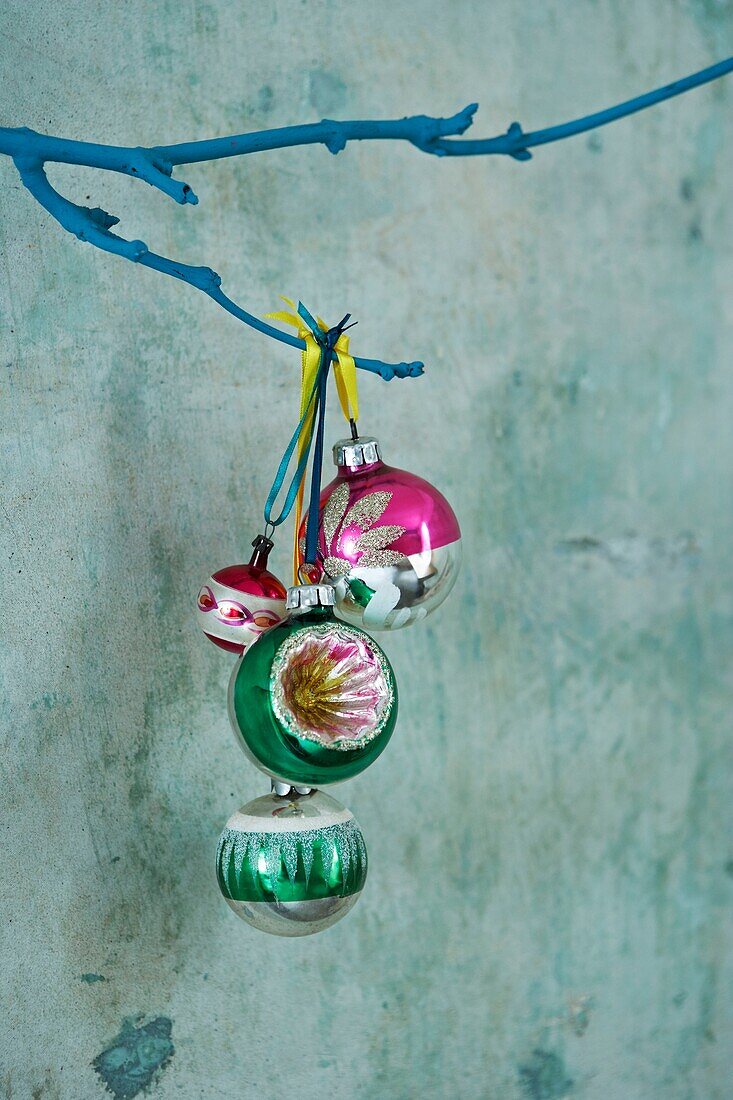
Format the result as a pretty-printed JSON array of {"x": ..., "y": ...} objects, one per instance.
[
  {"x": 323, "y": 346},
  {"x": 328, "y": 340},
  {"x": 309, "y": 572},
  {"x": 308, "y": 415}
]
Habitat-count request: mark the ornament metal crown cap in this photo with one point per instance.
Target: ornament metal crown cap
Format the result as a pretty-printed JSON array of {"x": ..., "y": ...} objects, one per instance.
[
  {"x": 303, "y": 596},
  {"x": 362, "y": 451}
]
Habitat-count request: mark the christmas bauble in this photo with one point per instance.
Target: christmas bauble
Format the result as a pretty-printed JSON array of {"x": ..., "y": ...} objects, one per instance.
[
  {"x": 315, "y": 701},
  {"x": 389, "y": 542},
  {"x": 240, "y": 602},
  {"x": 292, "y": 865}
]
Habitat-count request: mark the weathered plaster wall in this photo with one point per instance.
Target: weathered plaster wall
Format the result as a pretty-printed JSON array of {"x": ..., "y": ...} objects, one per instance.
[{"x": 548, "y": 909}]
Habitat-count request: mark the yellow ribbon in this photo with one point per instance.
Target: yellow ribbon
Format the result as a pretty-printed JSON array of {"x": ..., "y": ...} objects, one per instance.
[{"x": 344, "y": 370}]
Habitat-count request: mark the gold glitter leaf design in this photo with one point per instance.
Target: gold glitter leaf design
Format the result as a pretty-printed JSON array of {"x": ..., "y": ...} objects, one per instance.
[
  {"x": 367, "y": 509},
  {"x": 334, "y": 511},
  {"x": 378, "y": 538},
  {"x": 379, "y": 559},
  {"x": 371, "y": 542},
  {"x": 337, "y": 567}
]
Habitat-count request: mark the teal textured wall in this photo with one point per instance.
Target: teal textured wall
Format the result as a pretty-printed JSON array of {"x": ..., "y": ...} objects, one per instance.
[{"x": 548, "y": 907}]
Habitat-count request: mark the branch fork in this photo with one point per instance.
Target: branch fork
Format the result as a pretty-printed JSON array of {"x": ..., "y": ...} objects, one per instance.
[{"x": 31, "y": 151}]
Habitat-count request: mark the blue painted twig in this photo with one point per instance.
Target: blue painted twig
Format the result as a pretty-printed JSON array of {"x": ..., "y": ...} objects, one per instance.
[{"x": 437, "y": 136}]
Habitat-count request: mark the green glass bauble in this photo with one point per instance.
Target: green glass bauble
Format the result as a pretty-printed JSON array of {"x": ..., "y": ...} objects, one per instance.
[
  {"x": 314, "y": 701},
  {"x": 292, "y": 865}
]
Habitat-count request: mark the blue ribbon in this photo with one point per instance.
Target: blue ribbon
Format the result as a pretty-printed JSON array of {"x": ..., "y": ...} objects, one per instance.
[
  {"x": 283, "y": 468},
  {"x": 311, "y": 529},
  {"x": 327, "y": 342}
]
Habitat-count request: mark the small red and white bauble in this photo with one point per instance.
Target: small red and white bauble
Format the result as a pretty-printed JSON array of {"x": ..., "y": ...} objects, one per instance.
[{"x": 240, "y": 602}]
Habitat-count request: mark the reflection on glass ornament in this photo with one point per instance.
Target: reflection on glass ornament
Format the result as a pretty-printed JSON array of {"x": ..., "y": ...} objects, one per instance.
[
  {"x": 240, "y": 602},
  {"x": 390, "y": 543},
  {"x": 315, "y": 701},
  {"x": 293, "y": 864}
]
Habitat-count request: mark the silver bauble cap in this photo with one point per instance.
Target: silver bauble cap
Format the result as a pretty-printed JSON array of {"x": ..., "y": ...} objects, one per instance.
[
  {"x": 361, "y": 451},
  {"x": 310, "y": 595}
]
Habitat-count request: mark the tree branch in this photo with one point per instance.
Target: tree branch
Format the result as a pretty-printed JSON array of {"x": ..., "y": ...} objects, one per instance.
[{"x": 437, "y": 136}]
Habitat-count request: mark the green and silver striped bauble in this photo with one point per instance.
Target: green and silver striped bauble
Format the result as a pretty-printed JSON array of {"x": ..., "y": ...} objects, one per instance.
[{"x": 292, "y": 865}]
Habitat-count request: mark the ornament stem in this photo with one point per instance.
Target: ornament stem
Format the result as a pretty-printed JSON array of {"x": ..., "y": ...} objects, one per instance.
[
  {"x": 262, "y": 547},
  {"x": 288, "y": 790}
]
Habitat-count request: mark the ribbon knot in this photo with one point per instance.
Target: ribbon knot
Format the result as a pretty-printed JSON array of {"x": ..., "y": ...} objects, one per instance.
[{"x": 316, "y": 336}]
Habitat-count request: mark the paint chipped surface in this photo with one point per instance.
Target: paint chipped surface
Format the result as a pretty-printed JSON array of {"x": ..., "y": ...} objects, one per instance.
[
  {"x": 633, "y": 554},
  {"x": 544, "y": 1077},
  {"x": 579, "y": 1013},
  {"x": 135, "y": 1057}
]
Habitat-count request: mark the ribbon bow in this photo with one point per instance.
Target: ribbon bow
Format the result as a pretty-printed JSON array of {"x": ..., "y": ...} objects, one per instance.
[{"x": 315, "y": 334}]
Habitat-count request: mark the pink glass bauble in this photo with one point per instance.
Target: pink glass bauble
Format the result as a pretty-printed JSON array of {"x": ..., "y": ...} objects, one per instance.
[
  {"x": 389, "y": 542},
  {"x": 239, "y": 602}
]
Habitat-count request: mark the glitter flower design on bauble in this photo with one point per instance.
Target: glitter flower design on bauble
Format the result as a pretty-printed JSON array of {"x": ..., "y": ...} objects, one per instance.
[
  {"x": 371, "y": 545},
  {"x": 329, "y": 686}
]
